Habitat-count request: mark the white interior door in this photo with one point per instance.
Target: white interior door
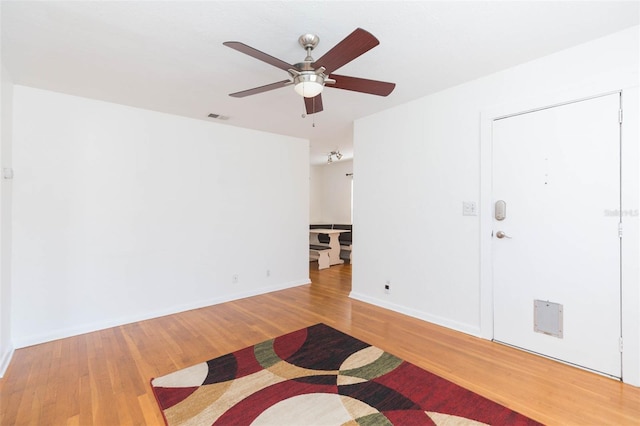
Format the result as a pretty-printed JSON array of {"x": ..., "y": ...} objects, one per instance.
[{"x": 558, "y": 172}]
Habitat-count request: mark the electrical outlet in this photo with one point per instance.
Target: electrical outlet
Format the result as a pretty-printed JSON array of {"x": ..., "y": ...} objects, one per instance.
[
  {"x": 387, "y": 287},
  {"x": 234, "y": 279},
  {"x": 268, "y": 272}
]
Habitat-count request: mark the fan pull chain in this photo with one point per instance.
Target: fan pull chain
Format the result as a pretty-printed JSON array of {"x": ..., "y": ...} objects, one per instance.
[
  {"x": 313, "y": 124},
  {"x": 304, "y": 115}
]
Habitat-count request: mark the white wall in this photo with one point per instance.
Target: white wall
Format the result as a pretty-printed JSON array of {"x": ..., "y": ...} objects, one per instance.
[
  {"x": 331, "y": 192},
  {"x": 122, "y": 214},
  {"x": 316, "y": 183},
  {"x": 6, "y": 120},
  {"x": 409, "y": 208}
]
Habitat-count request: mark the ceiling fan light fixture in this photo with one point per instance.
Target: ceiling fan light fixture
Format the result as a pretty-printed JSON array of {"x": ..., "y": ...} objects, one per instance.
[{"x": 308, "y": 85}]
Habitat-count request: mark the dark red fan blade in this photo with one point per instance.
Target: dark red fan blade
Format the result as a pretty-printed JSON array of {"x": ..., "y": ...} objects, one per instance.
[
  {"x": 354, "y": 45},
  {"x": 261, "y": 89},
  {"x": 255, "y": 53},
  {"x": 373, "y": 87},
  {"x": 313, "y": 105}
]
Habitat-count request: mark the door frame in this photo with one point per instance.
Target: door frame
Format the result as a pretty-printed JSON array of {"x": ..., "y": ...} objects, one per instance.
[{"x": 630, "y": 200}]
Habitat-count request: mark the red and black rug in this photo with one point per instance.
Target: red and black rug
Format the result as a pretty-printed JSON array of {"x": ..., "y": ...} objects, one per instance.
[{"x": 319, "y": 376}]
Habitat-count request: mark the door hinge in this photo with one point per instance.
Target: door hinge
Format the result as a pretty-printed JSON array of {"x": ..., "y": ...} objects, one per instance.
[
  {"x": 620, "y": 344},
  {"x": 620, "y": 116},
  {"x": 619, "y": 229}
]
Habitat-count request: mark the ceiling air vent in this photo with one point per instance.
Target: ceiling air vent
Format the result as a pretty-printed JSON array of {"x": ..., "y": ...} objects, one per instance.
[{"x": 218, "y": 116}]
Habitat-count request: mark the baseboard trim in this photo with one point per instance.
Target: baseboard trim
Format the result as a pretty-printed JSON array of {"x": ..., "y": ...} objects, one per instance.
[
  {"x": 424, "y": 316},
  {"x": 6, "y": 360},
  {"x": 21, "y": 342}
]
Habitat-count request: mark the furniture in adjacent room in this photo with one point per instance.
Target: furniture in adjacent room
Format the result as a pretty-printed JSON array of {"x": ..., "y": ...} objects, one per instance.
[
  {"x": 334, "y": 243},
  {"x": 346, "y": 241},
  {"x": 321, "y": 254},
  {"x": 337, "y": 237}
]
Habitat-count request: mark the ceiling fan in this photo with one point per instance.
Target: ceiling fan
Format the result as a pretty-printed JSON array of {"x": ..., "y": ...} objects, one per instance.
[{"x": 310, "y": 76}]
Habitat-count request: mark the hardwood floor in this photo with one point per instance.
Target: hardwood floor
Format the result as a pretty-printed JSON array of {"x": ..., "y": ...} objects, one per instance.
[{"x": 102, "y": 378}]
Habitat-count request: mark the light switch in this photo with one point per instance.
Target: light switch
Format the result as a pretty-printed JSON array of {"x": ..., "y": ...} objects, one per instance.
[{"x": 469, "y": 208}]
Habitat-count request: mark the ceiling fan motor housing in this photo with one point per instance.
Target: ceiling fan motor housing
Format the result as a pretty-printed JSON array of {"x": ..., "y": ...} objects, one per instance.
[{"x": 309, "y": 41}]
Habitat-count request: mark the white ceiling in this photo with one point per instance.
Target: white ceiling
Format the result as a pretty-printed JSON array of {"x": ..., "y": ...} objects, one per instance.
[{"x": 168, "y": 55}]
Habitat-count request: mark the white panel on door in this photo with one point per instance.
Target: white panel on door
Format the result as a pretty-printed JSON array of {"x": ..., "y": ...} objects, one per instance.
[{"x": 558, "y": 171}]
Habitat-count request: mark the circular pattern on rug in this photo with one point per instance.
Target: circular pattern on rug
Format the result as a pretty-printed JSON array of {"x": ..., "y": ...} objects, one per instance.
[{"x": 314, "y": 409}]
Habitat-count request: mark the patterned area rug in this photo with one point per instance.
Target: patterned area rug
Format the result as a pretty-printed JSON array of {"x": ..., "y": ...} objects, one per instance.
[{"x": 319, "y": 376}]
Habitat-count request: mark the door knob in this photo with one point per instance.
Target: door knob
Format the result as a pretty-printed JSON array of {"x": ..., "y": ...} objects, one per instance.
[{"x": 501, "y": 234}]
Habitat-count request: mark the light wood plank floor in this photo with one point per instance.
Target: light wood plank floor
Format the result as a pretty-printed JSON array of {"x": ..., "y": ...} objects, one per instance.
[{"x": 102, "y": 378}]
